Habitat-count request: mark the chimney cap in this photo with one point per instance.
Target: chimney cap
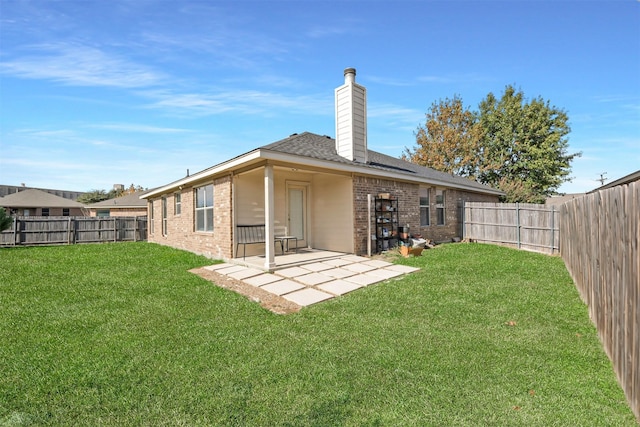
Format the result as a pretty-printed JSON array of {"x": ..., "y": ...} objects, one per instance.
[{"x": 350, "y": 71}]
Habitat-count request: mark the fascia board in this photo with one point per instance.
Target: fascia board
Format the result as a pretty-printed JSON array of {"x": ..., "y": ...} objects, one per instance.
[
  {"x": 363, "y": 170},
  {"x": 276, "y": 156},
  {"x": 213, "y": 171}
]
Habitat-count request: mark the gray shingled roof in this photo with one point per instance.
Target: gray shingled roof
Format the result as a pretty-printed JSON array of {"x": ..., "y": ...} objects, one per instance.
[
  {"x": 324, "y": 148},
  {"x": 33, "y": 198},
  {"x": 129, "y": 201}
]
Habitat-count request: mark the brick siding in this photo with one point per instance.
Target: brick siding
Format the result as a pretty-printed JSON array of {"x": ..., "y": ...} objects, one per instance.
[
  {"x": 453, "y": 205},
  {"x": 219, "y": 243},
  {"x": 181, "y": 232},
  {"x": 408, "y": 195}
]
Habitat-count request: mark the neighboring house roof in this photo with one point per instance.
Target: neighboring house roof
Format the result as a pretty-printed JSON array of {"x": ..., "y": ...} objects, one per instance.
[
  {"x": 312, "y": 150},
  {"x": 129, "y": 201},
  {"x": 5, "y": 190},
  {"x": 33, "y": 198},
  {"x": 558, "y": 200},
  {"x": 633, "y": 176}
]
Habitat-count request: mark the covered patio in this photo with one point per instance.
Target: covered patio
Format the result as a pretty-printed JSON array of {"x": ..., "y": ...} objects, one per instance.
[
  {"x": 312, "y": 206},
  {"x": 289, "y": 259}
]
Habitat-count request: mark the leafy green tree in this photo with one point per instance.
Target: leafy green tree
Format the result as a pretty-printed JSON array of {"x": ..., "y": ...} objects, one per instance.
[
  {"x": 512, "y": 144},
  {"x": 449, "y": 139},
  {"x": 523, "y": 146},
  {"x": 93, "y": 196},
  {"x": 5, "y": 221}
]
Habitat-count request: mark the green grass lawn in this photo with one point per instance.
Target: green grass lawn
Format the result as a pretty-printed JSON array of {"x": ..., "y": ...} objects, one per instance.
[{"x": 122, "y": 334}]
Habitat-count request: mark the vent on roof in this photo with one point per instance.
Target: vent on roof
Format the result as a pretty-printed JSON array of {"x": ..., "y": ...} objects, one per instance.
[{"x": 351, "y": 118}]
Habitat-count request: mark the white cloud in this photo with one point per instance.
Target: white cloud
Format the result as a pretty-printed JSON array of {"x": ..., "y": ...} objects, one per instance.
[
  {"x": 240, "y": 101},
  {"x": 131, "y": 127},
  {"x": 80, "y": 65}
]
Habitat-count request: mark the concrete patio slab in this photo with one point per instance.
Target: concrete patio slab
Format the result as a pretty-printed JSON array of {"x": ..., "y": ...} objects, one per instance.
[
  {"x": 218, "y": 266},
  {"x": 313, "y": 279},
  {"x": 282, "y": 287},
  {"x": 338, "y": 262},
  {"x": 292, "y": 272},
  {"x": 313, "y": 276},
  {"x": 385, "y": 274},
  {"x": 363, "y": 280},
  {"x": 358, "y": 267},
  {"x": 377, "y": 263},
  {"x": 339, "y": 273},
  {"x": 307, "y": 297},
  {"x": 355, "y": 258},
  {"x": 263, "y": 279},
  {"x": 402, "y": 268},
  {"x": 230, "y": 269},
  {"x": 247, "y": 272},
  {"x": 339, "y": 287},
  {"x": 316, "y": 266}
]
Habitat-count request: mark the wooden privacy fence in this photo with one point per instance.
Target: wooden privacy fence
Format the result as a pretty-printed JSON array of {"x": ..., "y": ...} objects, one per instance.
[
  {"x": 599, "y": 240},
  {"x": 521, "y": 225},
  {"x": 69, "y": 230}
]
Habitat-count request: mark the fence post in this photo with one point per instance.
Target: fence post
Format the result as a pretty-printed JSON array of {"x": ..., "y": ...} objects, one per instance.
[
  {"x": 115, "y": 229},
  {"x": 464, "y": 215},
  {"x": 135, "y": 228},
  {"x": 518, "y": 224},
  {"x": 553, "y": 213},
  {"x": 15, "y": 230}
]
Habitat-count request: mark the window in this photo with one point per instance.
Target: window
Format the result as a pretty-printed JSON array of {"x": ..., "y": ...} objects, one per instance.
[
  {"x": 65, "y": 211},
  {"x": 177, "y": 203},
  {"x": 204, "y": 208},
  {"x": 103, "y": 213},
  {"x": 164, "y": 216},
  {"x": 151, "y": 227},
  {"x": 440, "y": 198},
  {"x": 45, "y": 211},
  {"x": 424, "y": 207}
]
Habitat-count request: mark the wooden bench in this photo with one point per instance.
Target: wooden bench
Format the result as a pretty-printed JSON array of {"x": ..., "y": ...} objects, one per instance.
[{"x": 254, "y": 234}]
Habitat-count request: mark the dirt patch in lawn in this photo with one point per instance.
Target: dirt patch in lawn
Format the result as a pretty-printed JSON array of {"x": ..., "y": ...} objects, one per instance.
[{"x": 271, "y": 302}]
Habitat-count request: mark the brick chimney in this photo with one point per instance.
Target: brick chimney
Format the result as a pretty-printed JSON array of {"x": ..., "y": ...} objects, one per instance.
[{"x": 351, "y": 119}]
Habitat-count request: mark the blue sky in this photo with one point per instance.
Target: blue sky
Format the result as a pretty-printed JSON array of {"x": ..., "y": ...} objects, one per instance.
[{"x": 94, "y": 93}]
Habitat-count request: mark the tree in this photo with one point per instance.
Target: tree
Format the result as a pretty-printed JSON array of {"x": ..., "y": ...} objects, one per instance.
[
  {"x": 523, "y": 146},
  {"x": 5, "y": 221},
  {"x": 516, "y": 146},
  {"x": 93, "y": 196},
  {"x": 449, "y": 139}
]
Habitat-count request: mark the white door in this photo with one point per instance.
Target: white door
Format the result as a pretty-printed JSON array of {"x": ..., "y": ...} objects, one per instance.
[{"x": 297, "y": 213}]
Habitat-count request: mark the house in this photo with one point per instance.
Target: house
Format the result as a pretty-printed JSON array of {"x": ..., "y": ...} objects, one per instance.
[
  {"x": 310, "y": 186},
  {"x": 129, "y": 205},
  {"x": 33, "y": 202},
  {"x": 5, "y": 190},
  {"x": 560, "y": 199}
]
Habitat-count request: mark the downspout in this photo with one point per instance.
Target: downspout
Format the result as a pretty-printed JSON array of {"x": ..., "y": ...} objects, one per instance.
[
  {"x": 233, "y": 214},
  {"x": 369, "y": 225}
]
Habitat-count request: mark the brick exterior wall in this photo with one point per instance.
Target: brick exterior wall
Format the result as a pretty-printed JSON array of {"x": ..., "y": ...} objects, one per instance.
[
  {"x": 408, "y": 211},
  {"x": 453, "y": 205},
  {"x": 181, "y": 232},
  {"x": 38, "y": 211},
  {"x": 121, "y": 212},
  {"x": 408, "y": 195}
]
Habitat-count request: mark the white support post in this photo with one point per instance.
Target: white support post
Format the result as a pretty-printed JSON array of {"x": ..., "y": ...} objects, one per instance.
[{"x": 269, "y": 213}]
